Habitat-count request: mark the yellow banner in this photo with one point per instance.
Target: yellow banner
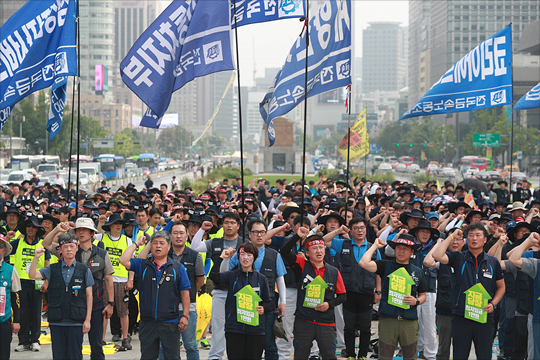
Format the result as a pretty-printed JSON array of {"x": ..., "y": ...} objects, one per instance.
[{"x": 359, "y": 141}]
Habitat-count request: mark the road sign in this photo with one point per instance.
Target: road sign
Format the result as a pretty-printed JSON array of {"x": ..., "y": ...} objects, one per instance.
[
  {"x": 486, "y": 140},
  {"x": 103, "y": 143},
  {"x": 84, "y": 146},
  {"x": 374, "y": 148},
  {"x": 519, "y": 155}
]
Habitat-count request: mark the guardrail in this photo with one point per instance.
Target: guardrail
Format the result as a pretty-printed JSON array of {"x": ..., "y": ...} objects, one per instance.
[{"x": 142, "y": 178}]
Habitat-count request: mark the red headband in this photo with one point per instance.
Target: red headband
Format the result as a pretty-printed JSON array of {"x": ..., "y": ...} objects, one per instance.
[
  {"x": 405, "y": 242},
  {"x": 314, "y": 242}
]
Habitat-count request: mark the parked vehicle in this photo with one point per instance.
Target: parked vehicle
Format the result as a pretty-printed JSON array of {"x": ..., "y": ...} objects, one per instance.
[
  {"x": 413, "y": 168},
  {"x": 19, "y": 176},
  {"x": 385, "y": 166},
  {"x": 401, "y": 168}
]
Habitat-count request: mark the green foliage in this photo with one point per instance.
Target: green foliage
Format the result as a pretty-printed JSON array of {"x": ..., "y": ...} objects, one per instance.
[
  {"x": 173, "y": 141},
  {"x": 227, "y": 173},
  {"x": 421, "y": 178},
  {"x": 127, "y": 137},
  {"x": 184, "y": 182}
]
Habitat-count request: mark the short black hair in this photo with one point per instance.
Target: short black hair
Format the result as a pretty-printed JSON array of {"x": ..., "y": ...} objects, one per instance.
[
  {"x": 141, "y": 209},
  {"x": 164, "y": 185},
  {"x": 355, "y": 220},
  {"x": 154, "y": 211},
  {"x": 256, "y": 221},
  {"x": 476, "y": 226},
  {"x": 289, "y": 194},
  {"x": 305, "y": 221},
  {"x": 178, "y": 223},
  {"x": 232, "y": 215}
]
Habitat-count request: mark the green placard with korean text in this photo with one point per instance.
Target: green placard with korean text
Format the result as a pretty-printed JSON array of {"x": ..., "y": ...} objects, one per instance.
[
  {"x": 247, "y": 301},
  {"x": 315, "y": 292},
  {"x": 476, "y": 299},
  {"x": 399, "y": 286}
]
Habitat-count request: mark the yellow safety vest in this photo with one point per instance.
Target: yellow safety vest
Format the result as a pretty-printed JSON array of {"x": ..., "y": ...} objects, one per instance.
[
  {"x": 53, "y": 259},
  {"x": 150, "y": 231},
  {"x": 218, "y": 234},
  {"x": 24, "y": 256},
  {"x": 115, "y": 250},
  {"x": 17, "y": 233}
]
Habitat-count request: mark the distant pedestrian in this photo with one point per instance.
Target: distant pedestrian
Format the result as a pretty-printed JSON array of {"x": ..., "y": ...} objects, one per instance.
[{"x": 149, "y": 183}]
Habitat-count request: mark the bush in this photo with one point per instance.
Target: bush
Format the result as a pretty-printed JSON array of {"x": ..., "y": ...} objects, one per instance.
[
  {"x": 218, "y": 174},
  {"x": 184, "y": 182},
  {"x": 421, "y": 178}
]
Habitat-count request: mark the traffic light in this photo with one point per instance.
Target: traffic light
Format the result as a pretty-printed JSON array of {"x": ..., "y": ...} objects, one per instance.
[
  {"x": 425, "y": 145},
  {"x": 397, "y": 144},
  {"x": 410, "y": 145}
]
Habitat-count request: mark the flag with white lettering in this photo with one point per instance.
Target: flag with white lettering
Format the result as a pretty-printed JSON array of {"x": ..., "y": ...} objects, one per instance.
[
  {"x": 56, "y": 111},
  {"x": 37, "y": 46},
  {"x": 329, "y": 63},
  {"x": 530, "y": 100},
  {"x": 481, "y": 79},
  {"x": 257, "y": 11},
  {"x": 188, "y": 40}
]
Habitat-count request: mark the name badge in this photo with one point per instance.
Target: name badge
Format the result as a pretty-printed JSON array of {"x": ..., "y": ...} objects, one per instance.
[
  {"x": 488, "y": 275},
  {"x": 95, "y": 264},
  {"x": 256, "y": 288},
  {"x": 218, "y": 249},
  {"x": 76, "y": 287},
  {"x": 346, "y": 251}
]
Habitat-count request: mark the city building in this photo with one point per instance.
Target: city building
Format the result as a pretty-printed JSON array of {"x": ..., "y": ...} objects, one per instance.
[
  {"x": 8, "y": 8},
  {"x": 419, "y": 50},
  {"x": 113, "y": 117},
  {"x": 385, "y": 55}
]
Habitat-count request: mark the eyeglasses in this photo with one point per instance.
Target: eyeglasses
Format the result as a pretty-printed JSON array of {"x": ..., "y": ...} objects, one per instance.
[
  {"x": 357, "y": 228},
  {"x": 176, "y": 233},
  {"x": 258, "y": 233}
]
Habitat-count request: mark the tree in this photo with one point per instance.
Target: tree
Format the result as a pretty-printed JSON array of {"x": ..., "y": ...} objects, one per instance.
[
  {"x": 173, "y": 141},
  {"x": 127, "y": 143}
]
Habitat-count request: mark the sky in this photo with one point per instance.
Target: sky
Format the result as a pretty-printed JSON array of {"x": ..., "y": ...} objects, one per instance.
[{"x": 266, "y": 45}]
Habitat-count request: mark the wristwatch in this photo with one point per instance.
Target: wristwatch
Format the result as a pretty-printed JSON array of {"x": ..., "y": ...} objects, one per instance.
[
  {"x": 378, "y": 292},
  {"x": 494, "y": 305},
  {"x": 111, "y": 303},
  {"x": 417, "y": 302}
]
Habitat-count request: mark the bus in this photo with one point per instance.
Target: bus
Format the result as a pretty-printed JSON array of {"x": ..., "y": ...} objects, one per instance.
[
  {"x": 489, "y": 162},
  {"x": 21, "y": 162},
  {"x": 148, "y": 160},
  {"x": 112, "y": 166},
  {"x": 467, "y": 162},
  {"x": 407, "y": 160}
]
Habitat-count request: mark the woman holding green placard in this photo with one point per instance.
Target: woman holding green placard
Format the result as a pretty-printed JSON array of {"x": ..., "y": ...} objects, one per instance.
[{"x": 244, "y": 325}]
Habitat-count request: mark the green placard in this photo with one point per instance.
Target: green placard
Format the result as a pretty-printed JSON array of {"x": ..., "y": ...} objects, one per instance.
[
  {"x": 400, "y": 283},
  {"x": 246, "y": 302},
  {"x": 476, "y": 300},
  {"x": 486, "y": 140},
  {"x": 315, "y": 292}
]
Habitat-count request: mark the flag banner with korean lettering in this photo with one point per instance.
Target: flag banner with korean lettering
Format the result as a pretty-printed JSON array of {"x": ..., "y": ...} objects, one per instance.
[
  {"x": 481, "y": 79},
  {"x": 329, "y": 63},
  {"x": 359, "y": 140},
  {"x": 56, "y": 111},
  {"x": 189, "y": 39},
  {"x": 37, "y": 46},
  {"x": 257, "y": 11},
  {"x": 530, "y": 100}
]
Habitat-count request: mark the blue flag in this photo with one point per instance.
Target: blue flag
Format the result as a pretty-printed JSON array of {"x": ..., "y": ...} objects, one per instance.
[
  {"x": 530, "y": 100},
  {"x": 257, "y": 11},
  {"x": 329, "y": 63},
  {"x": 56, "y": 112},
  {"x": 188, "y": 40},
  {"x": 37, "y": 46},
  {"x": 481, "y": 79}
]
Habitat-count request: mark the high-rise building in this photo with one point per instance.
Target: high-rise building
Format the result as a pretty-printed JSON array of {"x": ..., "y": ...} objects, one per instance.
[
  {"x": 131, "y": 18},
  {"x": 8, "y": 8},
  {"x": 385, "y": 55},
  {"x": 419, "y": 49}
]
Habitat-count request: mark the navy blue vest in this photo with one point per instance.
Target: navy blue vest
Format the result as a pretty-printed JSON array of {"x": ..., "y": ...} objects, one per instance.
[{"x": 392, "y": 311}]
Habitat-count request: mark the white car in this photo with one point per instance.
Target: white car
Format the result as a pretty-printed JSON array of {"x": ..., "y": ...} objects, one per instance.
[
  {"x": 472, "y": 171},
  {"x": 448, "y": 171},
  {"x": 401, "y": 168},
  {"x": 413, "y": 168},
  {"x": 385, "y": 166},
  {"x": 432, "y": 167},
  {"x": 17, "y": 177}
]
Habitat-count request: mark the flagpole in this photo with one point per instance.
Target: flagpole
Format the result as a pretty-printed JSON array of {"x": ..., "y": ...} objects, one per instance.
[
  {"x": 240, "y": 119},
  {"x": 511, "y": 116},
  {"x": 306, "y": 26},
  {"x": 78, "y": 109},
  {"x": 348, "y": 146}
]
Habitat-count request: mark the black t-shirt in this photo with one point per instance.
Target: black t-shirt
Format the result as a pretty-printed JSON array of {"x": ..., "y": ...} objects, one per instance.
[{"x": 381, "y": 268}]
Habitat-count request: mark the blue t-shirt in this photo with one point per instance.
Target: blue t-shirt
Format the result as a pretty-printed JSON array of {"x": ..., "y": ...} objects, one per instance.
[
  {"x": 359, "y": 251},
  {"x": 281, "y": 271}
]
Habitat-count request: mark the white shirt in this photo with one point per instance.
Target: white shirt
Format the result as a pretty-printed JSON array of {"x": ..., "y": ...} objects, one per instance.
[{"x": 59, "y": 181}]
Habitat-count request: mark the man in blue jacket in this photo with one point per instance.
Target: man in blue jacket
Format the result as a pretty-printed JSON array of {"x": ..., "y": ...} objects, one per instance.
[{"x": 161, "y": 321}]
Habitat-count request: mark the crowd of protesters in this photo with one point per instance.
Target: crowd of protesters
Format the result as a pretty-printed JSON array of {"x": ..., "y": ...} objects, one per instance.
[{"x": 137, "y": 260}]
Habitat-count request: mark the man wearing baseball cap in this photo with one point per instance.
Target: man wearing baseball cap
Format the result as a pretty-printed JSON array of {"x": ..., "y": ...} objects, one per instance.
[
  {"x": 10, "y": 285},
  {"x": 397, "y": 324},
  {"x": 70, "y": 310},
  {"x": 98, "y": 261}
]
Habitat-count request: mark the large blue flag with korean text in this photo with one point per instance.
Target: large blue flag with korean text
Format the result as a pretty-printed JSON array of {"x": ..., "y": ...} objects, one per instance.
[
  {"x": 329, "y": 63},
  {"x": 481, "y": 79},
  {"x": 257, "y": 11},
  {"x": 530, "y": 100},
  {"x": 37, "y": 50},
  {"x": 188, "y": 40}
]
